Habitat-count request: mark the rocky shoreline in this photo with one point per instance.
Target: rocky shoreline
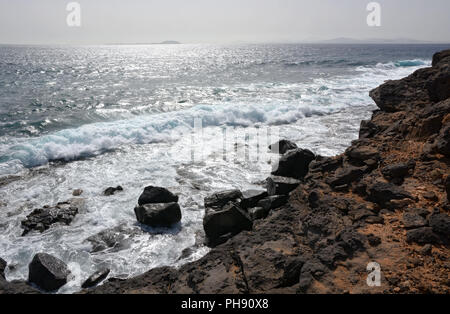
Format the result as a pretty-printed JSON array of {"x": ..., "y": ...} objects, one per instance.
[{"x": 322, "y": 220}]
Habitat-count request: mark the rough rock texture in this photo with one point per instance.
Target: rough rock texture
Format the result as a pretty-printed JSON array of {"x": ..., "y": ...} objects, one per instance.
[
  {"x": 158, "y": 215},
  {"x": 47, "y": 272},
  {"x": 95, "y": 278},
  {"x": 282, "y": 147},
  {"x": 294, "y": 164},
  {"x": 42, "y": 219},
  {"x": 3, "y": 265},
  {"x": 153, "y": 195},
  {"x": 323, "y": 238}
]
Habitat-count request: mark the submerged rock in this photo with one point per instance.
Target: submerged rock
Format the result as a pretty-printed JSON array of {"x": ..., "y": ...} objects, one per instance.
[
  {"x": 96, "y": 278},
  {"x": 77, "y": 192},
  {"x": 111, "y": 190},
  {"x": 155, "y": 195},
  {"x": 48, "y": 272},
  {"x": 42, "y": 218},
  {"x": 282, "y": 147},
  {"x": 158, "y": 215},
  {"x": 116, "y": 239},
  {"x": 294, "y": 164},
  {"x": 222, "y": 224}
]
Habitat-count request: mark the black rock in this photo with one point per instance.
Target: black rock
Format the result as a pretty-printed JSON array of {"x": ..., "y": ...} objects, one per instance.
[
  {"x": 251, "y": 198},
  {"x": 292, "y": 269},
  {"x": 222, "y": 224},
  {"x": 111, "y": 190},
  {"x": 373, "y": 240},
  {"x": 116, "y": 239},
  {"x": 422, "y": 235},
  {"x": 367, "y": 129},
  {"x": 396, "y": 171},
  {"x": 412, "y": 220},
  {"x": 42, "y": 218},
  {"x": 325, "y": 164},
  {"x": 3, "y": 265},
  {"x": 220, "y": 199},
  {"x": 440, "y": 223},
  {"x": 158, "y": 215},
  {"x": 314, "y": 267},
  {"x": 294, "y": 164},
  {"x": 381, "y": 193},
  {"x": 48, "y": 272},
  {"x": 273, "y": 202},
  {"x": 95, "y": 278},
  {"x": 346, "y": 176},
  {"x": 258, "y": 213},
  {"x": 331, "y": 254},
  {"x": 281, "y": 185},
  {"x": 362, "y": 153},
  {"x": 351, "y": 240},
  {"x": 282, "y": 147},
  {"x": 156, "y": 195}
]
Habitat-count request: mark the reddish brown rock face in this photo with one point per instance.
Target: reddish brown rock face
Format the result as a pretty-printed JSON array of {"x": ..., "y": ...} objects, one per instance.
[{"x": 385, "y": 200}]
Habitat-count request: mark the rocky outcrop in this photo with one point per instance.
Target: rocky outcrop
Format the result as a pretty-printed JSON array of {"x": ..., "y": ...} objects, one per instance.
[
  {"x": 154, "y": 195},
  {"x": 48, "y": 272},
  {"x": 42, "y": 219},
  {"x": 384, "y": 200},
  {"x": 112, "y": 190}
]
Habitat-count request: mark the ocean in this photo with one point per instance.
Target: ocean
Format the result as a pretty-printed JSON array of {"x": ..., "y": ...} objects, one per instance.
[{"x": 98, "y": 116}]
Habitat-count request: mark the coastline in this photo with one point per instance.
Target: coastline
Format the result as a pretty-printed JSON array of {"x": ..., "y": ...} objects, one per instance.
[{"x": 322, "y": 240}]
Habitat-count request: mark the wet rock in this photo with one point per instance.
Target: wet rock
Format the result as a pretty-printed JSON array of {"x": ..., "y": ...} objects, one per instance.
[
  {"x": 42, "y": 219},
  {"x": 116, "y": 239},
  {"x": 155, "y": 195},
  {"x": 294, "y": 164},
  {"x": 77, "y": 192},
  {"x": 220, "y": 199},
  {"x": 112, "y": 190},
  {"x": 272, "y": 202},
  {"x": 222, "y": 224},
  {"x": 96, "y": 278},
  {"x": 346, "y": 176},
  {"x": 440, "y": 223},
  {"x": 422, "y": 235},
  {"x": 382, "y": 193},
  {"x": 258, "y": 213},
  {"x": 281, "y": 185},
  {"x": 411, "y": 221},
  {"x": 251, "y": 198},
  {"x": 158, "y": 215},
  {"x": 282, "y": 147},
  {"x": 48, "y": 272},
  {"x": 3, "y": 265}
]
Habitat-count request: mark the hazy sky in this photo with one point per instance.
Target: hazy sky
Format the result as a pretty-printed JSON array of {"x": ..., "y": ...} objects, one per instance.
[{"x": 193, "y": 21}]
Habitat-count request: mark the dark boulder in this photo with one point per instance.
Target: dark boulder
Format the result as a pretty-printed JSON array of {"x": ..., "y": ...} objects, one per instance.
[
  {"x": 3, "y": 265},
  {"x": 440, "y": 56},
  {"x": 115, "y": 239},
  {"x": 368, "y": 129},
  {"x": 331, "y": 254},
  {"x": 158, "y": 215},
  {"x": 251, "y": 198},
  {"x": 351, "y": 240},
  {"x": 382, "y": 193},
  {"x": 346, "y": 176},
  {"x": 440, "y": 223},
  {"x": 281, "y": 185},
  {"x": 373, "y": 240},
  {"x": 111, "y": 190},
  {"x": 272, "y": 202},
  {"x": 325, "y": 164},
  {"x": 155, "y": 195},
  {"x": 77, "y": 192},
  {"x": 396, "y": 171},
  {"x": 443, "y": 141},
  {"x": 48, "y": 272},
  {"x": 422, "y": 235},
  {"x": 282, "y": 147},
  {"x": 220, "y": 199},
  {"x": 292, "y": 270},
  {"x": 222, "y": 224},
  {"x": 294, "y": 164},
  {"x": 362, "y": 153},
  {"x": 412, "y": 220},
  {"x": 95, "y": 278},
  {"x": 42, "y": 218}
]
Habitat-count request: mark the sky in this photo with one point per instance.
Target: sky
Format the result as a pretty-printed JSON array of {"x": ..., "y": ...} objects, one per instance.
[{"x": 219, "y": 21}]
